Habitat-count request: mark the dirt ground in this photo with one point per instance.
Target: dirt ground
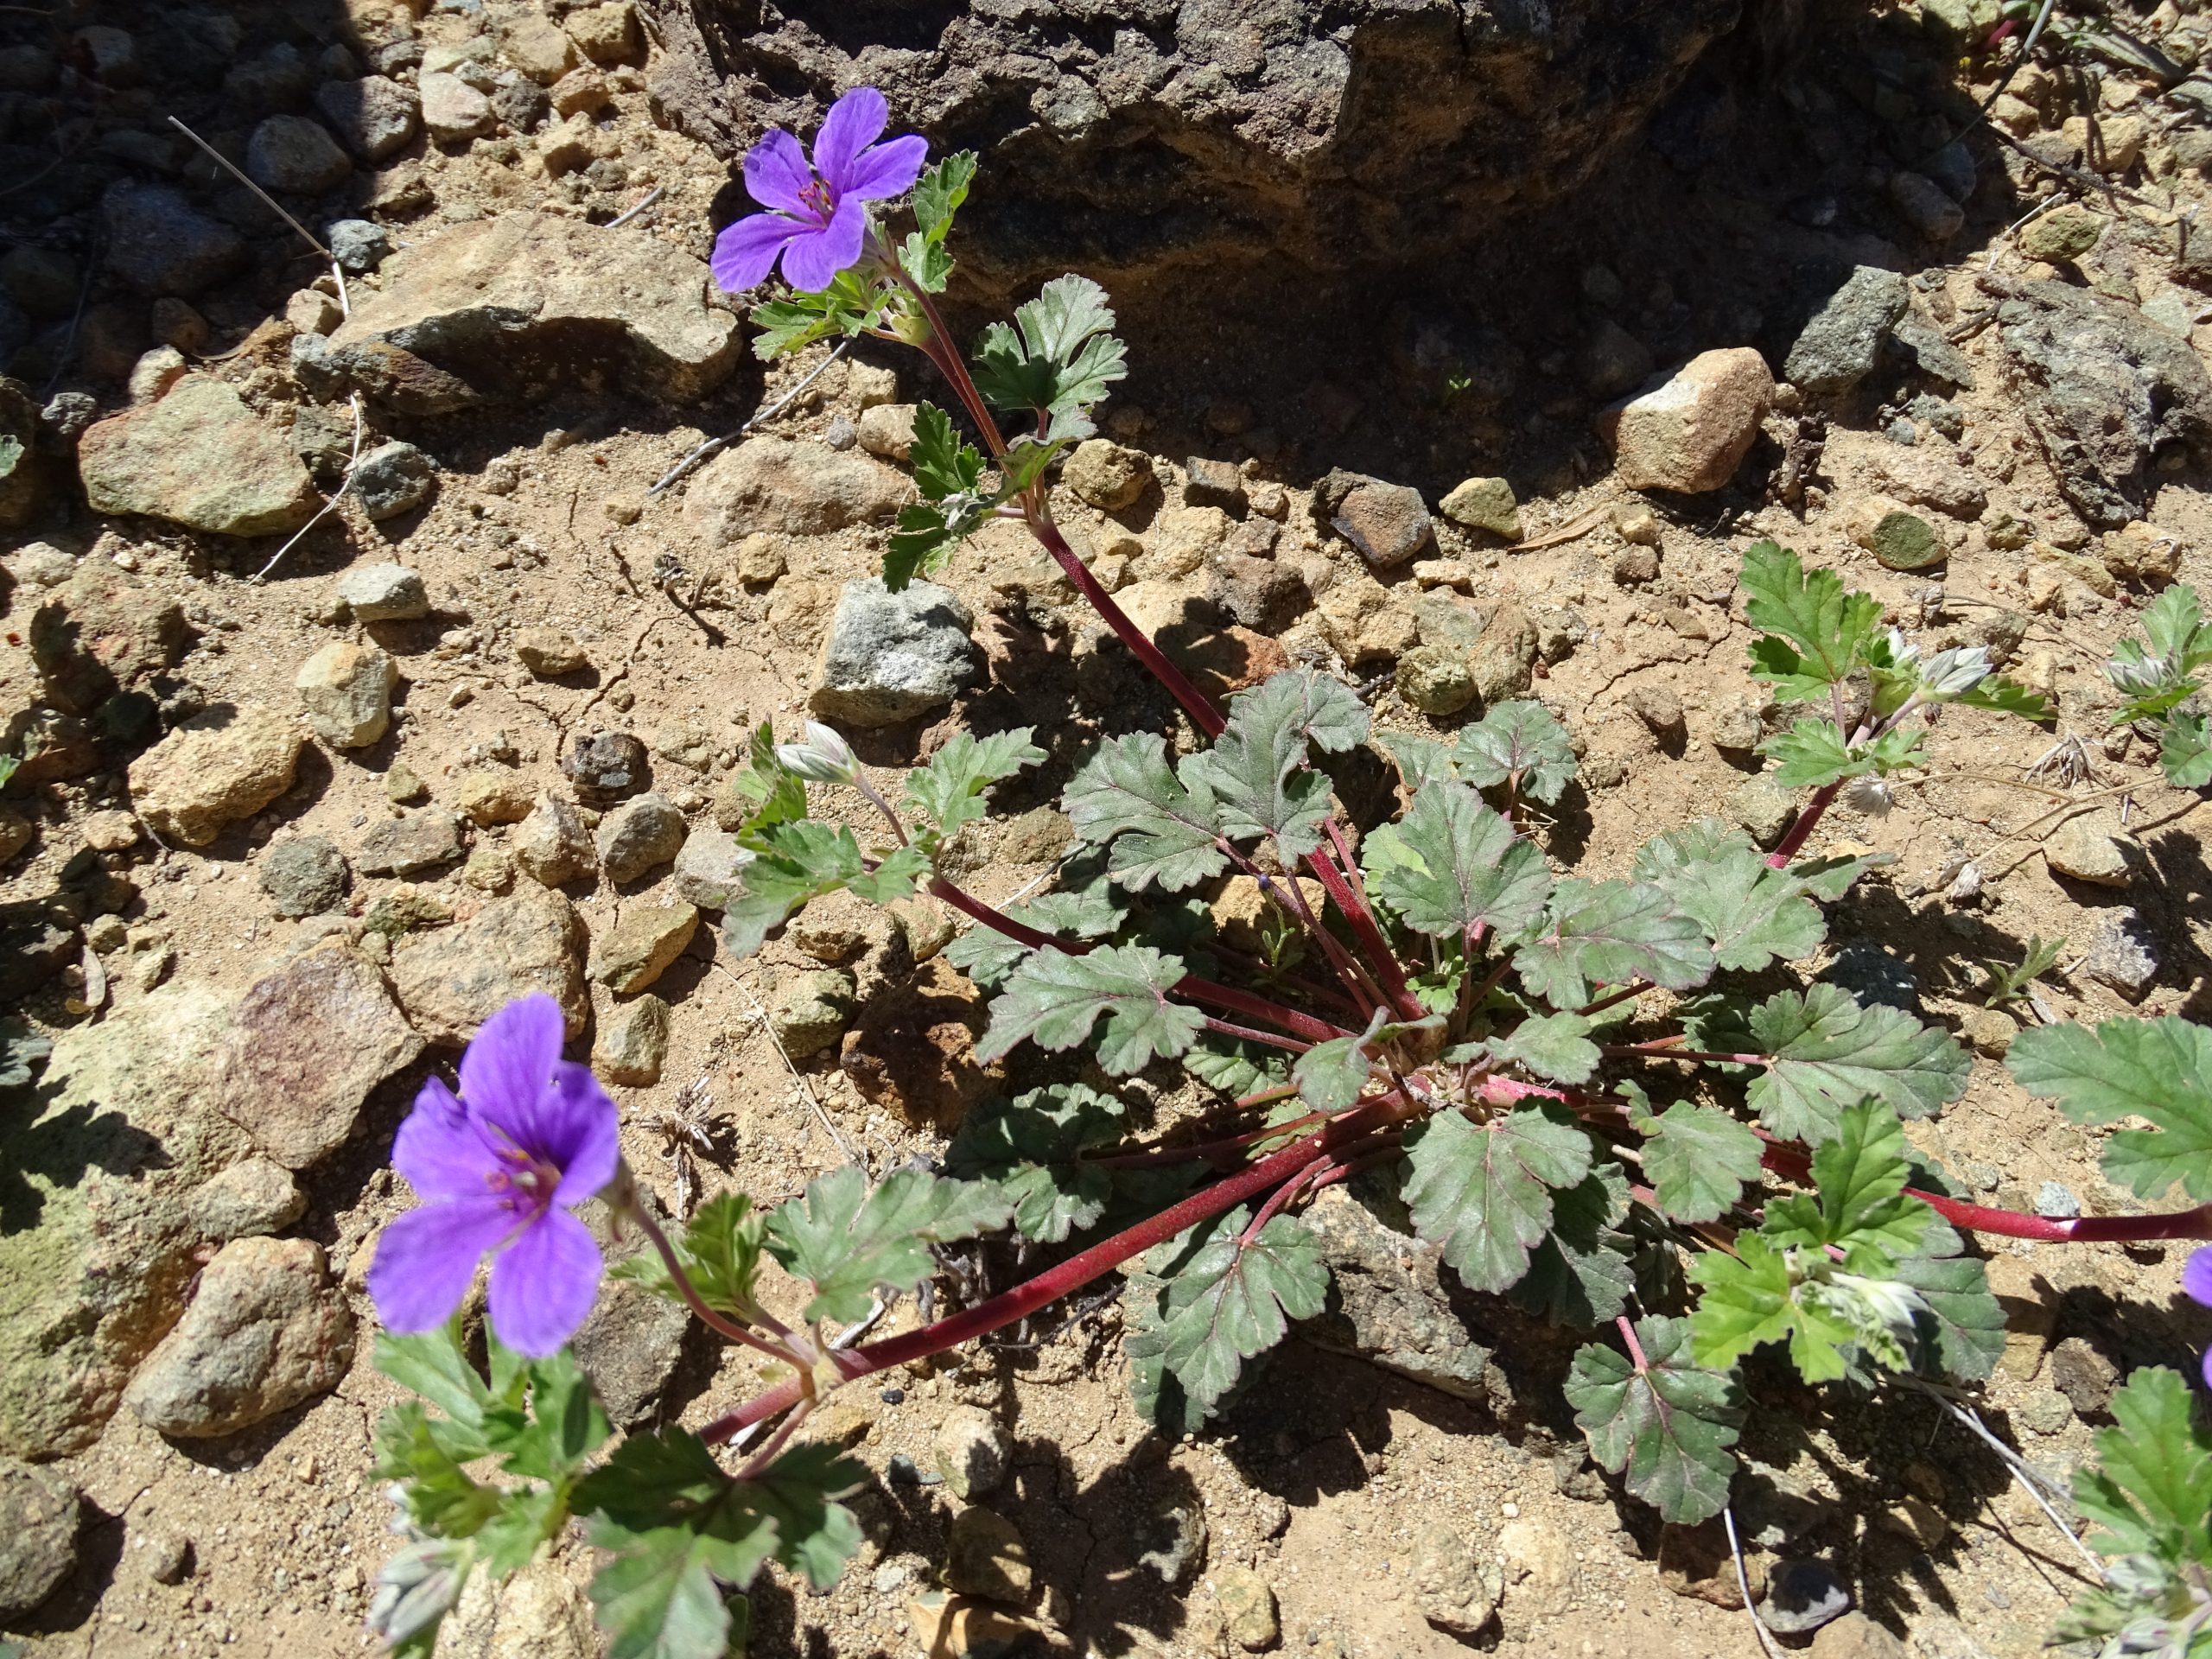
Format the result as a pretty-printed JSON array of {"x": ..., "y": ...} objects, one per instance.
[{"x": 1323, "y": 1474}]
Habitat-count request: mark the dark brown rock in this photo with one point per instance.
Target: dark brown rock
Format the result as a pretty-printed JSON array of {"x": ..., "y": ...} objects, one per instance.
[{"x": 103, "y": 631}]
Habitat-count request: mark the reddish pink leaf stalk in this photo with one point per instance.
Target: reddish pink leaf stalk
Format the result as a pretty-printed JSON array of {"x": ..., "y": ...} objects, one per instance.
[
  {"x": 1050, "y": 1286},
  {"x": 1801, "y": 827}
]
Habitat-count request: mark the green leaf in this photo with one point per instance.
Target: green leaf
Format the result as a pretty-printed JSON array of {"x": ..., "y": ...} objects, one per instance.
[
  {"x": 1699, "y": 1159},
  {"x": 431, "y": 1363},
  {"x": 1033, "y": 1147},
  {"x": 721, "y": 1255},
  {"x": 1752, "y": 914},
  {"x": 1162, "y": 825},
  {"x": 1579, "y": 1274},
  {"x": 2185, "y": 751},
  {"x": 1608, "y": 933},
  {"x": 943, "y": 464},
  {"x": 1516, "y": 742},
  {"x": 1231, "y": 1298},
  {"x": 1553, "y": 1046},
  {"x": 940, "y": 191},
  {"x": 1483, "y": 1192},
  {"x": 1256, "y": 768},
  {"x": 2003, "y": 697},
  {"x": 2158, "y": 1070},
  {"x": 850, "y": 304},
  {"x": 927, "y": 533},
  {"x": 1746, "y": 1304},
  {"x": 439, "y": 1496},
  {"x": 1332, "y": 1074},
  {"x": 1452, "y": 864},
  {"x": 1055, "y": 1000},
  {"x": 847, "y": 1239},
  {"x": 778, "y": 793},
  {"x": 1824, "y": 631},
  {"x": 1825, "y": 1052},
  {"x": 1061, "y": 360},
  {"x": 1861, "y": 1208},
  {"x": 1812, "y": 754},
  {"x": 564, "y": 1425},
  {"x": 1965, "y": 1321},
  {"x": 681, "y": 1529},
  {"x": 1421, "y": 760},
  {"x": 804, "y": 860},
  {"x": 949, "y": 792},
  {"x": 1665, "y": 1424},
  {"x": 925, "y": 261},
  {"x": 2151, "y": 1488}
]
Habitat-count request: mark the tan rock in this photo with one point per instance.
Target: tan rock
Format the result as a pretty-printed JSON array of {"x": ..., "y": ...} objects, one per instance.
[
  {"x": 213, "y": 769},
  {"x": 638, "y": 947},
  {"x": 490, "y": 797},
  {"x": 1105, "y": 475},
  {"x": 606, "y": 34},
  {"x": 451, "y": 980},
  {"x": 540, "y": 48},
  {"x": 887, "y": 430},
  {"x": 347, "y": 690},
  {"x": 1692, "y": 434},
  {"x": 792, "y": 487},
  {"x": 199, "y": 458}
]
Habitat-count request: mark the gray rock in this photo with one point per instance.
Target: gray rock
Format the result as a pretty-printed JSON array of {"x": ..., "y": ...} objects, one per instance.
[
  {"x": 1837, "y": 348},
  {"x": 972, "y": 1451},
  {"x": 604, "y": 765},
  {"x": 451, "y": 980},
  {"x": 516, "y": 301},
  {"x": 889, "y": 656},
  {"x": 1612, "y": 360},
  {"x": 1174, "y": 1543},
  {"x": 306, "y": 1046},
  {"x": 711, "y": 868},
  {"x": 553, "y": 844},
  {"x": 1929, "y": 347},
  {"x": 38, "y": 1535},
  {"x": 127, "y": 1110},
  {"x": 1456, "y": 1589},
  {"x": 265, "y": 1332},
  {"x": 1874, "y": 977},
  {"x": 630, "y": 1344},
  {"x": 159, "y": 243},
  {"x": 2123, "y": 954},
  {"x": 420, "y": 840},
  {"x": 523, "y": 105},
  {"x": 1387, "y": 1303},
  {"x": 639, "y": 835},
  {"x": 1213, "y": 484},
  {"x": 1763, "y": 807},
  {"x": 631, "y": 1044},
  {"x": 359, "y": 245},
  {"x": 1926, "y": 205},
  {"x": 2085, "y": 1376},
  {"x": 2108, "y": 394},
  {"x": 1360, "y": 120},
  {"x": 1801, "y": 1596},
  {"x": 292, "y": 154},
  {"x": 1952, "y": 169},
  {"x": 392, "y": 478},
  {"x": 1258, "y": 593},
  {"x": 305, "y": 874},
  {"x": 383, "y": 593}
]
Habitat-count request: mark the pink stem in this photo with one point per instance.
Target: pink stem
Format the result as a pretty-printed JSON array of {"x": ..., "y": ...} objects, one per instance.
[
  {"x": 1246, "y": 1033},
  {"x": 1371, "y": 941},
  {"x": 1800, "y": 827},
  {"x": 1635, "y": 1348}
]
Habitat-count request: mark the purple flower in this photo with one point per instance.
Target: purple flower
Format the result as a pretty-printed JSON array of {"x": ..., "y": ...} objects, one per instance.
[
  {"x": 531, "y": 1136},
  {"x": 2196, "y": 1282},
  {"x": 817, "y": 221}
]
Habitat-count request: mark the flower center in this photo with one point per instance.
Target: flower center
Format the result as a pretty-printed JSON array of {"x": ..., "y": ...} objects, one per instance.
[
  {"x": 525, "y": 1181},
  {"x": 816, "y": 195}
]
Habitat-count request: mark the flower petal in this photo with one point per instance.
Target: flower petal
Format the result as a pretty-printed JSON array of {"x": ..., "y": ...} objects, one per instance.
[
  {"x": 2197, "y": 1276},
  {"x": 440, "y": 1149},
  {"x": 813, "y": 258},
  {"x": 746, "y": 251},
  {"x": 776, "y": 172},
  {"x": 427, "y": 1258},
  {"x": 576, "y": 1126},
  {"x": 854, "y": 122},
  {"x": 544, "y": 1284},
  {"x": 885, "y": 169},
  {"x": 507, "y": 1064}
]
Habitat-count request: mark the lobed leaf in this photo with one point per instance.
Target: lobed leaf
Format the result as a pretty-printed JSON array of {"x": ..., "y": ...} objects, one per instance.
[
  {"x": 1608, "y": 933},
  {"x": 1056, "y": 999},
  {"x": 804, "y": 860},
  {"x": 1823, "y": 631},
  {"x": 1812, "y": 754},
  {"x": 1962, "y": 1322},
  {"x": 2151, "y": 1488},
  {"x": 2158, "y": 1070},
  {"x": 1232, "y": 1296},
  {"x": 1699, "y": 1159},
  {"x": 1483, "y": 1192},
  {"x": 1665, "y": 1425},
  {"x": 1579, "y": 1273},
  {"x": 1163, "y": 826},
  {"x": 1553, "y": 1046},
  {"x": 1859, "y": 1173},
  {"x": 1752, "y": 914},
  {"x": 2185, "y": 751},
  {"x": 1522, "y": 743},
  {"x": 987, "y": 956},
  {"x": 1825, "y": 1052},
  {"x": 720, "y": 1252},
  {"x": 1256, "y": 768},
  {"x": 939, "y": 193},
  {"x": 1059, "y": 359},
  {"x": 949, "y": 791},
  {"x": 943, "y": 464},
  {"x": 1033, "y": 1147},
  {"x": 1452, "y": 865},
  {"x": 847, "y": 1239}
]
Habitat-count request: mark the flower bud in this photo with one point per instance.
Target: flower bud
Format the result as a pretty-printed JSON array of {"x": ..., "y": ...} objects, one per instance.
[{"x": 824, "y": 757}]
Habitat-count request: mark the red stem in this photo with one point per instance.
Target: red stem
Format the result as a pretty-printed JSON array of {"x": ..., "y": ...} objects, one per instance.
[
  {"x": 1664, "y": 1049},
  {"x": 1211, "y": 1151},
  {"x": 1371, "y": 941},
  {"x": 1635, "y": 1348},
  {"x": 1049, "y": 1286},
  {"x": 1246, "y": 1033},
  {"x": 1800, "y": 827}
]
